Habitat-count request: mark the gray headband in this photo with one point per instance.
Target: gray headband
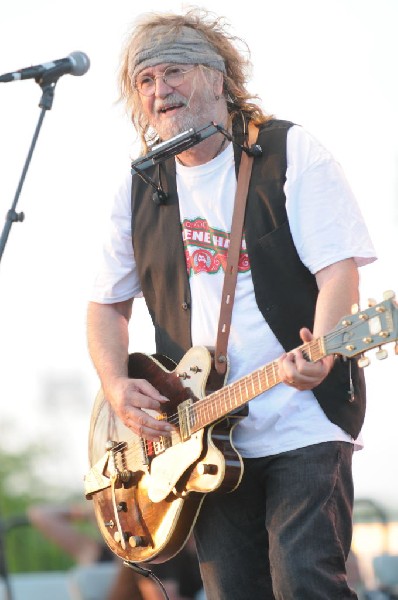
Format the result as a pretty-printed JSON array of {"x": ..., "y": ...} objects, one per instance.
[{"x": 186, "y": 46}]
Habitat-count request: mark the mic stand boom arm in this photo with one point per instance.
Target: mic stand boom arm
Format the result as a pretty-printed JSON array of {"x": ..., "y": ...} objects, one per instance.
[{"x": 47, "y": 84}]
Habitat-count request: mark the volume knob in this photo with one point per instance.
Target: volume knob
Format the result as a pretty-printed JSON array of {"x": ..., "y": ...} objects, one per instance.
[
  {"x": 206, "y": 469},
  {"x": 136, "y": 541}
]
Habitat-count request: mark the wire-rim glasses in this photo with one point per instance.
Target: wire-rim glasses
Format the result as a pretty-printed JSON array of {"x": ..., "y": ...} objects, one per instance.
[{"x": 172, "y": 76}]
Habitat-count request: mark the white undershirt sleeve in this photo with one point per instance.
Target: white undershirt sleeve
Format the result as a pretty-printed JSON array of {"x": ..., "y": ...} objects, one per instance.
[
  {"x": 117, "y": 279},
  {"x": 324, "y": 217}
]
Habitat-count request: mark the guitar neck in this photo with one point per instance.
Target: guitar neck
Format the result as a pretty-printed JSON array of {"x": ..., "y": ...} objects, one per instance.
[{"x": 233, "y": 396}]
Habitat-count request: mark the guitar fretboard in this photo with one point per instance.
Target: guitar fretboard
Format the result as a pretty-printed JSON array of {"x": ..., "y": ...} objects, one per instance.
[{"x": 229, "y": 398}]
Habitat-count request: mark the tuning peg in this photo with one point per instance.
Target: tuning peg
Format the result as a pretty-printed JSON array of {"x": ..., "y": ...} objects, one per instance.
[
  {"x": 389, "y": 295},
  {"x": 354, "y": 309},
  {"x": 363, "y": 362},
  {"x": 381, "y": 354},
  {"x": 371, "y": 302}
]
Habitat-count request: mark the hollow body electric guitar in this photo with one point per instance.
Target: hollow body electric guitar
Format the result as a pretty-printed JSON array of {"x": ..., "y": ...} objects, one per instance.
[{"x": 147, "y": 495}]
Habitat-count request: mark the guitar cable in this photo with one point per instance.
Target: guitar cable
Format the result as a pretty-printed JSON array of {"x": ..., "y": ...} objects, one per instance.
[{"x": 147, "y": 573}]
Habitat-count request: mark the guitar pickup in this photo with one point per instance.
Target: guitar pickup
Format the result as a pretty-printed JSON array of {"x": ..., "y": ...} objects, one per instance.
[
  {"x": 186, "y": 419},
  {"x": 161, "y": 445}
]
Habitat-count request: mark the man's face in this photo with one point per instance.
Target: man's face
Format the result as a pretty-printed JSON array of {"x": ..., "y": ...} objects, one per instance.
[{"x": 172, "y": 110}]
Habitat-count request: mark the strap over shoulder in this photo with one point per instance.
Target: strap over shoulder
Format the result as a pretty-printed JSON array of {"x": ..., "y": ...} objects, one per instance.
[{"x": 231, "y": 271}]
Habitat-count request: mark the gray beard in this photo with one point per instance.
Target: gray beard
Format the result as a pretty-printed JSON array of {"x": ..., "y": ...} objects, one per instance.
[
  {"x": 195, "y": 114},
  {"x": 179, "y": 125},
  {"x": 186, "y": 120}
]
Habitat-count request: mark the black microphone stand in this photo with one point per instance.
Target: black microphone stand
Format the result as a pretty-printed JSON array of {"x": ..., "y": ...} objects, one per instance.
[
  {"x": 47, "y": 83},
  {"x": 5, "y": 526},
  {"x": 3, "y": 563}
]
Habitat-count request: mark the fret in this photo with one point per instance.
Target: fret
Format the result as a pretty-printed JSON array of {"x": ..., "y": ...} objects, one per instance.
[
  {"x": 218, "y": 403},
  {"x": 313, "y": 350},
  {"x": 240, "y": 391},
  {"x": 234, "y": 396},
  {"x": 212, "y": 409},
  {"x": 199, "y": 414},
  {"x": 274, "y": 373},
  {"x": 266, "y": 376},
  {"x": 259, "y": 380},
  {"x": 320, "y": 349},
  {"x": 206, "y": 412},
  {"x": 269, "y": 376},
  {"x": 227, "y": 398}
]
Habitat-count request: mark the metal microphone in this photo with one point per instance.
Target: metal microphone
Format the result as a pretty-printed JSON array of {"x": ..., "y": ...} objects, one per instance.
[{"x": 77, "y": 63}]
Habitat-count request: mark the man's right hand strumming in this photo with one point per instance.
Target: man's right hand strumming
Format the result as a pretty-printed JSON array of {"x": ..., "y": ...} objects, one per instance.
[{"x": 108, "y": 339}]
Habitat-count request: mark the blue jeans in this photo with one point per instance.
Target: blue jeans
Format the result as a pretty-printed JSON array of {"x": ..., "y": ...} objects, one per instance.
[{"x": 285, "y": 533}]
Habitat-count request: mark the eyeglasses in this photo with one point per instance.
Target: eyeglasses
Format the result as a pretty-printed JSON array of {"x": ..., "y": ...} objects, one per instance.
[{"x": 172, "y": 76}]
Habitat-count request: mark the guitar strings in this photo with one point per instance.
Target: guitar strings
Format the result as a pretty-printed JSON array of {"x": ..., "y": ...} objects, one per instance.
[{"x": 313, "y": 348}]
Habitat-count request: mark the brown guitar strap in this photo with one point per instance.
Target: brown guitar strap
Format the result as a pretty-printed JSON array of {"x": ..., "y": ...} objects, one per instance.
[{"x": 231, "y": 271}]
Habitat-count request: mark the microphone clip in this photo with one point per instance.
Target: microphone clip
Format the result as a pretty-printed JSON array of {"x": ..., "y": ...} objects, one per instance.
[
  {"x": 159, "y": 197},
  {"x": 254, "y": 150}
]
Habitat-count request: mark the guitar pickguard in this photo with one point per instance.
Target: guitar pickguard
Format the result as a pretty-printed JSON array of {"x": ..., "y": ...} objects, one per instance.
[{"x": 168, "y": 467}]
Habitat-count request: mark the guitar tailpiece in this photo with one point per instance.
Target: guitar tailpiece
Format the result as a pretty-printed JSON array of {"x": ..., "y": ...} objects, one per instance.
[{"x": 116, "y": 515}]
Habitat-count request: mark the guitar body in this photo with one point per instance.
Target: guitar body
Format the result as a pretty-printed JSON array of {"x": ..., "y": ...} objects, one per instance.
[{"x": 147, "y": 495}]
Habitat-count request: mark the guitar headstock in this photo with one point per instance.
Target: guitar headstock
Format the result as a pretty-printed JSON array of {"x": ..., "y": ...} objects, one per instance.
[{"x": 363, "y": 330}]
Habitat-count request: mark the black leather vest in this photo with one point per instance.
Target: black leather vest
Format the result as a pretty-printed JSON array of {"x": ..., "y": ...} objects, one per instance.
[{"x": 285, "y": 290}]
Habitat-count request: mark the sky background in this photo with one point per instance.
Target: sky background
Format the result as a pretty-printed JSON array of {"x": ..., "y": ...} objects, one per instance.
[{"x": 330, "y": 66}]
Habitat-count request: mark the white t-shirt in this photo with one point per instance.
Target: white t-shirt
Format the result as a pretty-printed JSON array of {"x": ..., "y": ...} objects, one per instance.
[{"x": 326, "y": 226}]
